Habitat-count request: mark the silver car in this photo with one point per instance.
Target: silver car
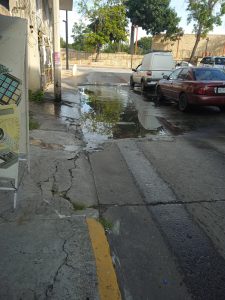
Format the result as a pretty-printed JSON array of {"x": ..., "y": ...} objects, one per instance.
[{"x": 213, "y": 62}]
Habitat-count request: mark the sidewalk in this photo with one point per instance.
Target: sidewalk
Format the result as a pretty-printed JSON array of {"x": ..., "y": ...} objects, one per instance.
[{"x": 46, "y": 251}]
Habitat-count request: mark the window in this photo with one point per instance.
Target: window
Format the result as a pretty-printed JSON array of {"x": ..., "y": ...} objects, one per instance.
[
  {"x": 175, "y": 74},
  {"x": 206, "y": 74},
  {"x": 183, "y": 74},
  {"x": 220, "y": 61}
]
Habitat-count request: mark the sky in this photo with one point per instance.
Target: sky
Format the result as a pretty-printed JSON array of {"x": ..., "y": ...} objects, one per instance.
[{"x": 178, "y": 5}]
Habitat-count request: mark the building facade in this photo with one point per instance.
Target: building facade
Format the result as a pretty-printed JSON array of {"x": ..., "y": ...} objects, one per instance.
[{"x": 40, "y": 36}]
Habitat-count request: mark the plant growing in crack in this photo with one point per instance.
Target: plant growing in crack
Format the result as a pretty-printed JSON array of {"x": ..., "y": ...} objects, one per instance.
[
  {"x": 106, "y": 224},
  {"x": 78, "y": 206}
]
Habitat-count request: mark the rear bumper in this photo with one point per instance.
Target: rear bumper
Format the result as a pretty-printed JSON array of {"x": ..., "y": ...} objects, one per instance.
[{"x": 206, "y": 100}]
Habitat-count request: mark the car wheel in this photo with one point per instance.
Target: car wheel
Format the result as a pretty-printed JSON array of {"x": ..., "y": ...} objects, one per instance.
[
  {"x": 159, "y": 96},
  {"x": 222, "y": 108},
  {"x": 131, "y": 82},
  {"x": 183, "y": 103}
]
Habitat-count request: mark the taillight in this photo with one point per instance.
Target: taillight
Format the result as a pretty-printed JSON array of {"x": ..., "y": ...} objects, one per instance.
[
  {"x": 200, "y": 91},
  {"x": 204, "y": 90},
  {"x": 149, "y": 73}
]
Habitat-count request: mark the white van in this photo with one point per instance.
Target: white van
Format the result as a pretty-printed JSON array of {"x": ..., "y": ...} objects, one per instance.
[{"x": 153, "y": 67}]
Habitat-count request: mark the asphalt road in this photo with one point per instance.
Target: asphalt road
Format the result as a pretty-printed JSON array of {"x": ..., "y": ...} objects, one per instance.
[{"x": 163, "y": 193}]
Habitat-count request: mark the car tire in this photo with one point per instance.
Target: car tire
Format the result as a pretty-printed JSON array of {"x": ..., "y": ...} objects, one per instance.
[
  {"x": 222, "y": 108},
  {"x": 183, "y": 104},
  {"x": 131, "y": 82},
  {"x": 159, "y": 96}
]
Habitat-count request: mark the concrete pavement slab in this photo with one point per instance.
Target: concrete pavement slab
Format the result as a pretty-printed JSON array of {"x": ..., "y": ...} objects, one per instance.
[{"x": 47, "y": 259}]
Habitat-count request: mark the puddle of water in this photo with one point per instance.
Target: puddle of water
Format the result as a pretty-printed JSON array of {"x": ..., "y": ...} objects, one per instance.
[{"x": 109, "y": 113}]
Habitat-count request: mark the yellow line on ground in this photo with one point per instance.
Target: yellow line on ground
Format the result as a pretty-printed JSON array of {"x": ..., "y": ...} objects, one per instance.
[{"x": 108, "y": 286}]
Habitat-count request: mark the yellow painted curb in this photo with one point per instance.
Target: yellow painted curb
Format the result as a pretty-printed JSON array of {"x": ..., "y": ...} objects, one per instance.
[{"x": 108, "y": 286}]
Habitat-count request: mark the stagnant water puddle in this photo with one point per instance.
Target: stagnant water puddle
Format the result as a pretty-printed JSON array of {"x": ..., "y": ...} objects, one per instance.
[{"x": 110, "y": 113}]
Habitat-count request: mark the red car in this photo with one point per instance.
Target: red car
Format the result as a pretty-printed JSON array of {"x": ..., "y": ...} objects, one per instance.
[{"x": 193, "y": 86}]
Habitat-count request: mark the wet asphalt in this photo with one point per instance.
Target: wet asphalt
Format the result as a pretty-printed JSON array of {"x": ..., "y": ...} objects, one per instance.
[
  {"x": 159, "y": 176},
  {"x": 159, "y": 180}
]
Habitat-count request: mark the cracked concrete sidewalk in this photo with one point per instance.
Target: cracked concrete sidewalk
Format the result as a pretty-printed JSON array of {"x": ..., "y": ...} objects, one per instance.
[{"x": 45, "y": 250}]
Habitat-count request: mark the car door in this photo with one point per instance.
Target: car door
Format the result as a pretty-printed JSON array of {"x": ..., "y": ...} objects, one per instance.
[
  {"x": 167, "y": 86},
  {"x": 178, "y": 84},
  {"x": 137, "y": 74}
]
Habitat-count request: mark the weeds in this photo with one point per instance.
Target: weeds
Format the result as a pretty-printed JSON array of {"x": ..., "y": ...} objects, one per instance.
[
  {"x": 78, "y": 206},
  {"x": 37, "y": 96},
  {"x": 33, "y": 124},
  {"x": 106, "y": 224}
]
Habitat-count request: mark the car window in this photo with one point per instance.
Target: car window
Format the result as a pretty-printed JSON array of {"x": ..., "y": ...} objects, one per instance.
[
  {"x": 209, "y": 74},
  {"x": 183, "y": 74},
  {"x": 207, "y": 60},
  {"x": 220, "y": 60},
  {"x": 139, "y": 68},
  {"x": 175, "y": 73}
]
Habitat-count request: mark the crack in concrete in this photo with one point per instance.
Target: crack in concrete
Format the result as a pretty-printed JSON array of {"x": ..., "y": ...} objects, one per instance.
[
  {"x": 50, "y": 287},
  {"x": 102, "y": 205}
]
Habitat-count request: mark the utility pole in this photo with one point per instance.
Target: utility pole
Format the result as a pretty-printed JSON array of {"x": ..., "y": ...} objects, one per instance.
[
  {"x": 136, "y": 44},
  {"x": 56, "y": 51},
  {"x": 67, "y": 48}
]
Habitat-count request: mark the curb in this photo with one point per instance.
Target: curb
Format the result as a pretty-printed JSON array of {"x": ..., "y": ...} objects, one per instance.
[{"x": 107, "y": 281}]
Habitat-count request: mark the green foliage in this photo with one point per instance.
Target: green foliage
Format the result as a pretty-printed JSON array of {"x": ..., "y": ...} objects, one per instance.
[
  {"x": 116, "y": 47},
  {"x": 78, "y": 206},
  {"x": 62, "y": 43},
  {"x": 79, "y": 30},
  {"x": 145, "y": 44},
  {"x": 205, "y": 14},
  {"x": 37, "y": 96},
  {"x": 107, "y": 225},
  {"x": 154, "y": 16},
  {"x": 107, "y": 25},
  {"x": 33, "y": 124}
]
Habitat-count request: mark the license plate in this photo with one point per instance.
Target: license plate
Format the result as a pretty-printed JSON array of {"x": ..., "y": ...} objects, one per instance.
[{"x": 221, "y": 90}]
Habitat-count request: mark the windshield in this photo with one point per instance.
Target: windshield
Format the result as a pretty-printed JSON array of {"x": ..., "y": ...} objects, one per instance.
[
  {"x": 209, "y": 74},
  {"x": 220, "y": 60}
]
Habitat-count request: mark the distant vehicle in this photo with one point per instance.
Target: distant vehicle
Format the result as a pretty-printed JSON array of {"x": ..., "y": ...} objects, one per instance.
[
  {"x": 183, "y": 63},
  {"x": 213, "y": 62},
  {"x": 193, "y": 86},
  {"x": 153, "y": 67}
]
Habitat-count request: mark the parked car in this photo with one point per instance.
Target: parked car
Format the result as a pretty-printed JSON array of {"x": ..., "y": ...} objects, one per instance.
[
  {"x": 193, "y": 86},
  {"x": 183, "y": 63},
  {"x": 213, "y": 62},
  {"x": 153, "y": 67}
]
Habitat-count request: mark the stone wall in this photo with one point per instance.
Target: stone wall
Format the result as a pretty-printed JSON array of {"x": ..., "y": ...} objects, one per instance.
[
  {"x": 211, "y": 45},
  {"x": 117, "y": 60}
]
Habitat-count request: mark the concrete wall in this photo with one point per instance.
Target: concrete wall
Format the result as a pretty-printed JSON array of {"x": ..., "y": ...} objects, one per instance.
[
  {"x": 117, "y": 60},
  {"x": 40, "y": 35},
  {"x": 182, "y": 48}
]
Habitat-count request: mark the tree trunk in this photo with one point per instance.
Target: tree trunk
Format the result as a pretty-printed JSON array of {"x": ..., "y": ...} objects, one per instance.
[
  {"x": 97, "y": 53},
  {"x": 198, "y": 37}
]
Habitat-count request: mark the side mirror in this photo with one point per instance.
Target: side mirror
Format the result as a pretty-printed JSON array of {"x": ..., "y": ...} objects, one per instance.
[
  {"x": 134, "y": 70},
  {"x": 166, "y": 77}
]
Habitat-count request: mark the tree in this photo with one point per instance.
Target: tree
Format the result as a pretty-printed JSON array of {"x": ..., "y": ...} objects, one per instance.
[
  {"x": 108, "y": 25},
  {"x": 145, "y": 44},
  {"x": 79, "y": 31},
  {"x": 62, "y": 43},
  {"x": 154, "y": 16},
  {"x": 205, "y": 14}
]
